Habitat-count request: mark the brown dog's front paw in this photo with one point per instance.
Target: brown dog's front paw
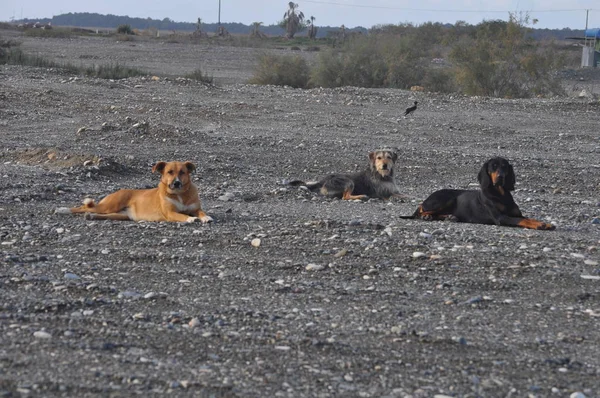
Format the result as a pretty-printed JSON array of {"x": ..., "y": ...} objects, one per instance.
[
  {"x": 206, "y": 219},
  {"x": 192, "y": 219}
]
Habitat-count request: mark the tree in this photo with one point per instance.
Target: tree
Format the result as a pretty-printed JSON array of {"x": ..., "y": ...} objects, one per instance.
[
  {"x": 256, "y": 30},
  {"x": 312, "y": 29},
  {"x": 293, "y": 20}
]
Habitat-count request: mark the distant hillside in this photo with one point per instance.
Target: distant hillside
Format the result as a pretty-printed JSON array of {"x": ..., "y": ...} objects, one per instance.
[{"x": 86, "y": 19}]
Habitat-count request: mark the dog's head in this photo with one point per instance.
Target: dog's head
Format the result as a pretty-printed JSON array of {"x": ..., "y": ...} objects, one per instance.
[
  {"x": 497, "y": 174},
  {"x": 382, "y": 161},
  {"x": 175, "y": 175}
]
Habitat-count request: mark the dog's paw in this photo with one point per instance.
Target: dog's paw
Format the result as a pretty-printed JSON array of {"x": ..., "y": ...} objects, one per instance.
[
  {"x": 546, "y": 227},
  {"x": 206, "y": 219},
  {"x": 192, "y": 219},
  {"x": 62, "y": 210}
]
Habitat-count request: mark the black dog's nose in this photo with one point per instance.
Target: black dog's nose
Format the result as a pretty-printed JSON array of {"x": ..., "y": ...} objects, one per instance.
[
  {"x": 384, "y": 166},
  {"x": 177, "y": 184}
]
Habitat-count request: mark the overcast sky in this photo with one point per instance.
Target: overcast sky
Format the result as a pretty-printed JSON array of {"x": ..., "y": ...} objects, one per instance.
[{"x": 550, "y": 13}]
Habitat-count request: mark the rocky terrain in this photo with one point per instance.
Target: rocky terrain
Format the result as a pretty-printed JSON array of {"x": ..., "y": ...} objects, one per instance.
[{"x": 288, "y": 294}]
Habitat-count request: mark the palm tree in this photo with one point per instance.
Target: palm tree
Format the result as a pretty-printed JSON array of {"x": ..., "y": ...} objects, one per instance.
[
  {"x": 256, "y": 30},
  {"x": 293, "y": 20},
  {"x": 312, "y": 30}
]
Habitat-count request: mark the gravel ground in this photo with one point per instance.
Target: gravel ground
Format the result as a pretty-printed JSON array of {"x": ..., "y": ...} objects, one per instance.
[{"x": 339, "y": 299}]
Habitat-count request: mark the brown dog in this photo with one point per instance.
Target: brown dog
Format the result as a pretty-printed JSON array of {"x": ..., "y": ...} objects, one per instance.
[{"x": 175, "y": 199}]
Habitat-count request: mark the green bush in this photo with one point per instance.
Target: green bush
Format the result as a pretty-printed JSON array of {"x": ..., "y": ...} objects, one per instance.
[
  {"x": 125, "y": 29},
  {"x": 502, "y": 60},
  {"x": 286, "y": 70}
]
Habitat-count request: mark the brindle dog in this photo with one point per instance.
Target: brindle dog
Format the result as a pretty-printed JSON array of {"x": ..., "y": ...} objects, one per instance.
[{"x": 376, "y": 181}]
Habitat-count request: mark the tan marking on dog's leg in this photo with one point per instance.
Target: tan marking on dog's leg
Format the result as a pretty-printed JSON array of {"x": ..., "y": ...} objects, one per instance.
[
  {"x": 347, "y": 195},
  {"x": 530, "y": 223}
]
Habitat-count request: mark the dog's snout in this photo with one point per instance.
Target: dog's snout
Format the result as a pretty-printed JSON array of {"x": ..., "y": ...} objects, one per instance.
[
  {"x": 384, "y": 166},
  {"x": 176, "y": 184}
]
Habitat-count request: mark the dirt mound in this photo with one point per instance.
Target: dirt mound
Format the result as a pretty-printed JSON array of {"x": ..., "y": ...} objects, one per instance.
[{"x": 55, "y": 159}]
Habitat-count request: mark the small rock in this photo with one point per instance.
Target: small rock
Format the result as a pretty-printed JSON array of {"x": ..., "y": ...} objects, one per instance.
[
  {"x": 590, "y": 262},
  {"x": 194, "y": 322},
  {"x": 60, "y": 230},
  {"x": 577, "y": 255},
  {"x": 577, "y": 395},
  {"x": 72, "y": 277},
  {"x": 419, "y": 255},
  {"x": 255, "y": 242},
  {"x": 40, "y": 334},
  {"x": 341, "y": 253},
  {"x": 226, "y": 197},
  {"x": 590, "y": 277},
  {"x": 81, "y": 130},
  {"x": 425, "y": 235},
  {"x": 88, "y": 163},
  {"x": 595, "y": 220},
  {"x": 314, "y": 267}
]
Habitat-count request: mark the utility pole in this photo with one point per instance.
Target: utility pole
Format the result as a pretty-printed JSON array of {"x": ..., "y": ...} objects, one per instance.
[
  {"x": 220, "y": 15},
  {"x": 587, "y": 13}
]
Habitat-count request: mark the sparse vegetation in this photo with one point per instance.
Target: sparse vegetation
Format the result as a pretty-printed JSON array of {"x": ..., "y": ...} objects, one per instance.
[
  {"x": 286, "y": 70},
  {"x": 62, "y": 33},
  {"x": 197, "y": 74},
  {"x": 11, "y": 54},
  {"x": 113, "y": 71}
]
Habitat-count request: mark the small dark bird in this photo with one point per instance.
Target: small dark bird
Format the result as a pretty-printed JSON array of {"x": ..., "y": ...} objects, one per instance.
[{"x": 411, "y": 109}]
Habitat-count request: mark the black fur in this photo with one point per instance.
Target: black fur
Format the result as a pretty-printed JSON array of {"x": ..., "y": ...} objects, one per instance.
[
  {"x": 493, "y": 204},
  {"x": 369, "y": 182}
]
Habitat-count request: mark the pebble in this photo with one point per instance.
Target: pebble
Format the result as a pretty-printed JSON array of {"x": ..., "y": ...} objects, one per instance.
[
  {"x": 546, "y": 249},
  {"x": 129, "y": 294},
  {"x": 282, "y": 347},
  {"x": 72, "y": 277},
  {"x": 341, "y": 253},
  {"x": 596, "y": 220},
  {"x": 425, "y": 235},
  {"x": 40, "y": 334},
  {"x": 419, "y": 255},
  {"x": 590, "y": 262},
  {"x": 577, "y": 255},
  {"x": 226, "y": 197},
  {"x": 577, "y": 394},
  {"x": 194, "y": 322},
  {"x": 60, "y": 230},
  {"x": 314, "y": 267},
  {"x": 591, "y": 277},
  {"x": 255, "y": 242}
]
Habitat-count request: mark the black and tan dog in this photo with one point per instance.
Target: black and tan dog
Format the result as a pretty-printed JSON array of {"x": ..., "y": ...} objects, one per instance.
[
  {"x": 493, "y": 204},
  {"x": 377, "y": 181}
]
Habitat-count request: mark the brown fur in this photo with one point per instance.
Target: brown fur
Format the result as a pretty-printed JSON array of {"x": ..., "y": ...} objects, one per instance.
[{"x": 175, "y": 199}]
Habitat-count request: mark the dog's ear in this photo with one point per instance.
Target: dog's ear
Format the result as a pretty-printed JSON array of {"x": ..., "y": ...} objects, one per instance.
[
  {"x": 160, "y": 167},
  {"x": 394, "y": 156},
  {"x": 484, "y": 178},
  {"x": 191, "y": 167},
  {"x": 372, "y": 157},
  {"x": 510, "y": 179}
]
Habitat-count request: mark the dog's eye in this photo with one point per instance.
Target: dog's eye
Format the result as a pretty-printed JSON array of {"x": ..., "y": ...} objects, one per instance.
[{"x": 170, "y": 171}]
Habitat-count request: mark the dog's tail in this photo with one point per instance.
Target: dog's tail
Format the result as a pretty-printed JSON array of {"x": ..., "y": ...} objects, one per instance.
[
  {"x": 311, "y": 185},
  {"x": 88, "y": 205}
]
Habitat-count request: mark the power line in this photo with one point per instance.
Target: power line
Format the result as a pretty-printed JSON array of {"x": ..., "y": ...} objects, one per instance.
[{"x": 437, "y": 10}]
